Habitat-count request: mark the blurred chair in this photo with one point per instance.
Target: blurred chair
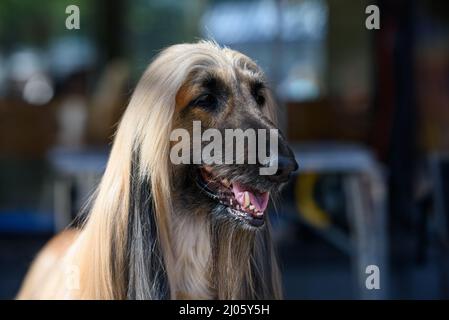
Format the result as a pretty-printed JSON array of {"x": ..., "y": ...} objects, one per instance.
[{"x": 365, "y": 197}]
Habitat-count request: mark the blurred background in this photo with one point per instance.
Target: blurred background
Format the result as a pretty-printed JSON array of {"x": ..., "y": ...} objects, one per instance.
[{"x": 366, "y": 111}]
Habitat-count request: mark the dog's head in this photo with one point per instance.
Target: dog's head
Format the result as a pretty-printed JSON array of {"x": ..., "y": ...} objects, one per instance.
[{"x": 235, "y": 157}]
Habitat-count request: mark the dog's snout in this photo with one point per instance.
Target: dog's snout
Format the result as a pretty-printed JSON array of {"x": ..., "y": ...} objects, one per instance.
[{"x": 286, "y": 166}]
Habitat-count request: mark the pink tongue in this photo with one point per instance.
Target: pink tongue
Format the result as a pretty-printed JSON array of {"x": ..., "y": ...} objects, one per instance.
[{"x": 259, "y": 201}]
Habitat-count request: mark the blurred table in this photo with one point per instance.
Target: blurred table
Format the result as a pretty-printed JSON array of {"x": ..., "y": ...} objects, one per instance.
[{"x": 78, "y": 170}]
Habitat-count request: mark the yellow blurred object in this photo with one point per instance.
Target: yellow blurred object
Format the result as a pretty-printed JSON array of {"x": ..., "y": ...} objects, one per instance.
[{"x": 305, "y": 202}]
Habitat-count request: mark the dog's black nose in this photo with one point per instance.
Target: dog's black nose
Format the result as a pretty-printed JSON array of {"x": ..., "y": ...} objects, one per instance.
[{"x": 286, "y": 165}]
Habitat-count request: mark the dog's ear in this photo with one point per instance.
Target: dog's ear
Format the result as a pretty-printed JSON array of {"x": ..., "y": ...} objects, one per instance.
[{"x": 147, "y": 277}]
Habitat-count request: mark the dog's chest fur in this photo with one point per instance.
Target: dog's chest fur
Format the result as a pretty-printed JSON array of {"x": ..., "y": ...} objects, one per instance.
[{"x": 192, "y": 249}]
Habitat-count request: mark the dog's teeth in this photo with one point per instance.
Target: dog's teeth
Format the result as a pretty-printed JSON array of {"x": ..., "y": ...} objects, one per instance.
[
  {"x": 230, "y": 201},
  {"x": 258, "y": 213},
  {"x": 246, "y": 201},
  {"x": 251, "y": 207}
]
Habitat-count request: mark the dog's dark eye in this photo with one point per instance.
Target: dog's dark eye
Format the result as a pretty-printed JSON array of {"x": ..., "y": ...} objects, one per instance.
[
  {"x": 206, "y": 100},
  {"x": 260, "y": 99},
  {"x": 258, "y": 94}
]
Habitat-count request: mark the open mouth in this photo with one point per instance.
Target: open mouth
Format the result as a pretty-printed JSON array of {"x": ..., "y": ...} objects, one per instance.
[{"x": 242, "y": 201}]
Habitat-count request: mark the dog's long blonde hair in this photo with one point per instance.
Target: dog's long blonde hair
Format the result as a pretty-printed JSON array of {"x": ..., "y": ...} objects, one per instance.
[{"x": 125, "y": 248}]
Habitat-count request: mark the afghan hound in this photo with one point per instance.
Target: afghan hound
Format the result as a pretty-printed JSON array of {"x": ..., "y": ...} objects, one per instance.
[{"x": 156, "y": 230}]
